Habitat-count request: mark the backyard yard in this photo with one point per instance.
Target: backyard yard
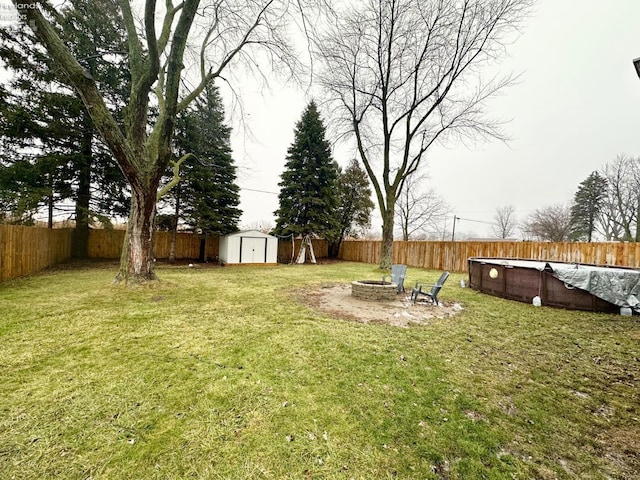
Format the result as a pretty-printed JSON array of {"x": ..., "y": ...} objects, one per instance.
[{"x": 275, "y": 373}]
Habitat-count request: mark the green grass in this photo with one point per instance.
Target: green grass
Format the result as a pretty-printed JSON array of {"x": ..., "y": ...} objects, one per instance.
[{"x": 220, "y": 373}]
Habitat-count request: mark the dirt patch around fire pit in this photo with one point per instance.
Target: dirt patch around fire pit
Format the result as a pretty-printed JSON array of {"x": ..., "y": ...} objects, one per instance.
[{"x": 336, "y": 300}]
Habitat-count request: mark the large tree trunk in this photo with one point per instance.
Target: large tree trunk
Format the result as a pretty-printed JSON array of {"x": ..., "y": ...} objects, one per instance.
[
  {"x": 81, "y": 233},
  {"x": 143, "y": 154},
  {"x": 334, "y": 243},
  {"x": 136, "y": 261},
  {"x": 386, "y": 255},
  {"x": 334, "y": 247},
  {"x": 50, "y": 202},
  {"x": 174, "y": 227}
]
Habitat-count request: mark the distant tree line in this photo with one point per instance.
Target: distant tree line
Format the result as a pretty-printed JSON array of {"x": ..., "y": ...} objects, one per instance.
[{"x": 605, "y": 206}]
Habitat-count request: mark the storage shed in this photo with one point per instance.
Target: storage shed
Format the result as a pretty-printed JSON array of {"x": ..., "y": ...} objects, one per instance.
[{"x": 249, "y": 247}]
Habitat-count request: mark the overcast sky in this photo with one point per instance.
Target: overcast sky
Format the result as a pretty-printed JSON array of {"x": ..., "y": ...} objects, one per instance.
[{"x": 574, "y": 109}]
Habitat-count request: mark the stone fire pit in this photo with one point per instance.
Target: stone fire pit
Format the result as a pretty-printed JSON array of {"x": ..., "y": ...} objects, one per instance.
[{"x": 374, "y": 290}]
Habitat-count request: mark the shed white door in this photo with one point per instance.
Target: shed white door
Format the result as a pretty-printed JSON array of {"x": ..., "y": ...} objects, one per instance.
[{"x": 253, "y": 250}]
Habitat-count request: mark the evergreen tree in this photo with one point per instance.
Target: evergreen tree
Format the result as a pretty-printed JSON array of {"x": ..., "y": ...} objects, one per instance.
[
  {"x": 353, "y": 211},
  {"x": 587, "y": 204},
  {"x": 35, "y": 152},
  {"x": 308, "y": 199},
  {"x": 49, "y": 145},
  {"x": 207, "y": 196}
]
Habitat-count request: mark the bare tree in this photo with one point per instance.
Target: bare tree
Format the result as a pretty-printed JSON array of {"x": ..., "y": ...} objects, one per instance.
[
  {"x": 551, "y": 224},
  {"x": 404, "y": 74},
  {"x": 609, "y": 221},
  {"x": 619, "y": 217},
  {"x": 371, "y": 234},
  {"x": 264, "y": 226},
  {"x": 420, "y": 210},
  {"x": 217, "y": 37},
  {"x": 505, "y": 222}
]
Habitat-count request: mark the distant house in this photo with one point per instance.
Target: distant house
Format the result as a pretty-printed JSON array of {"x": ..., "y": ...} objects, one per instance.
[{"x": 248, "y": 247}]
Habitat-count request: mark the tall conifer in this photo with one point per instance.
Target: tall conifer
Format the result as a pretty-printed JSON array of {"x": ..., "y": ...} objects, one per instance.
[
  {"x": 308, "y": 196},
  {"x": 587, "y": 204},
  {"x": 208, "y": 193}
]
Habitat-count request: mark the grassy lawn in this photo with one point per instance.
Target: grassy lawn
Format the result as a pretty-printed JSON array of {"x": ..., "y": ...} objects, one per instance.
[{"x": 219, "y": 373}]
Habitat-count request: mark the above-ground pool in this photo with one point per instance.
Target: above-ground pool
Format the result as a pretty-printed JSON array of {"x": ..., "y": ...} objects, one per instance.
[{"x": 558, "y": 284}]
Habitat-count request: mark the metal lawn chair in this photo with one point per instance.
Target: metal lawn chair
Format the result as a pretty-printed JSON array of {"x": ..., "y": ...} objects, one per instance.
[
  {"x": 398, "y": 272},
  {"x": 432, "y": 294}
]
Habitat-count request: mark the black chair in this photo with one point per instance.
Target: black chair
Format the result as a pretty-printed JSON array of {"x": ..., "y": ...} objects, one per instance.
[{"x": 432, "y": 294}]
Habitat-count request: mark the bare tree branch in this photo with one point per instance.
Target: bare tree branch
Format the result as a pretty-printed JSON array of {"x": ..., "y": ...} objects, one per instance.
[
  {"x": 550, "y": 224},
  {"x": 405, "y": 75},
  {"x": 505, "y": 222},
  {"x": 420, "y": 211},
  {"x": 176, "y": 175},
  {"x": 86, "y": 87},
  {"x": 620, "y": 218}
]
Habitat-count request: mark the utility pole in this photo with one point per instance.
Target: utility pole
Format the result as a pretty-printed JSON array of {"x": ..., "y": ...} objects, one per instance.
[{"x": 453, "y": 234}]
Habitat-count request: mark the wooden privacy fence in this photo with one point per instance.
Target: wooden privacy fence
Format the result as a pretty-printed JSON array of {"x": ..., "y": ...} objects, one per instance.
[
  {"x": 320, "y": 249},
  {"x": 452, "y": 256},
  {"x": 108, "y": 244},
  {"x": 25, "y": 250}
]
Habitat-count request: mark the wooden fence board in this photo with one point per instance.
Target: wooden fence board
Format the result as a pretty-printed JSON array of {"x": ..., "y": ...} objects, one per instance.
[
  {"x": 26, "y": 250},
  {"x": 320, "y": 249},
  {"x": 107, "y": 244},
  {"x": 452, "y": 256}
]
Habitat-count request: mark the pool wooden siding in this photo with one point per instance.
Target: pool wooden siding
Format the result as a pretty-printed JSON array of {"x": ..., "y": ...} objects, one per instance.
[{"x": 522, "y": 283}]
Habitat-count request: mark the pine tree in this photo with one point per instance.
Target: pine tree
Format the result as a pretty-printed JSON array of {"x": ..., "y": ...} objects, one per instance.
[
  {"x": 51, "y": 156},
  {"x": 308, "y": 195},
  {"x": 587, "y": 204},
  {"x": 354, "y": 208},
  {"x": 38, "y": 134},
  {"x": 207, "y": 196}
]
